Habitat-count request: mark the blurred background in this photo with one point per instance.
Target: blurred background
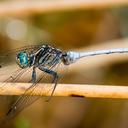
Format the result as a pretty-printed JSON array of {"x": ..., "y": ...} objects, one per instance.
[{"x": 80, "y": 26}]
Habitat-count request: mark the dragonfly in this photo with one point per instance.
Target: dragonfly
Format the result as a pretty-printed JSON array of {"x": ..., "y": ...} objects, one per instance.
[{"x": 45, "y": 58}]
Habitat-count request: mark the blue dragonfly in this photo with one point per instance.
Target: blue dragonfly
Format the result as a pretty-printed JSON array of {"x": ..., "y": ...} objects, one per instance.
[{"x": 45, "y": 58}]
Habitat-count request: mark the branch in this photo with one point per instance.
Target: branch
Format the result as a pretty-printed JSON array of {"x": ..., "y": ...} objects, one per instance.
[
  {"x": 99, "y": 91},
  {"x": 21, "y": 8}
]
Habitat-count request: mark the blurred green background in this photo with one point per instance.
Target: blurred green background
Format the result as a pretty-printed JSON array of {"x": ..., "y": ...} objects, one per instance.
[{"x": 70, "y": 30}]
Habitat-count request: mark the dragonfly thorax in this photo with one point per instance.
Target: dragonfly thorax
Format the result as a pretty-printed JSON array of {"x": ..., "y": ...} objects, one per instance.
[{"x": 48, "y": 56}]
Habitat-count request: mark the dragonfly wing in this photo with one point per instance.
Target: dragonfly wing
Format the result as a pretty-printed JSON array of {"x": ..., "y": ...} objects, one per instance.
[
  {"x": 9, "y": 70},
  {"x": 5, "y": 55},
  {"x": 26, "y": 99}
]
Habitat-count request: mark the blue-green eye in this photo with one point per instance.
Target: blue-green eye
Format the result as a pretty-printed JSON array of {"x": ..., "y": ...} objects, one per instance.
[{"x": 22, "y": 59}]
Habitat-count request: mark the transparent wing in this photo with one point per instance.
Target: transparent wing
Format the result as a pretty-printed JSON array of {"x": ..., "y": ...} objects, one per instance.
[
  {"x": 8, "y": 57},
  {"x": 27, "y": 98},
  {"x": 8, "y": 64},
  {"x": 26, "y": 48},
  {"x": 9, "y": 70}
]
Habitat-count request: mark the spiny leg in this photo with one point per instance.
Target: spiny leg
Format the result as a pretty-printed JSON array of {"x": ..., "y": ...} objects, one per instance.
[
  {"x": 55, "y": 79},
  {"x": 22, "y": 99}
]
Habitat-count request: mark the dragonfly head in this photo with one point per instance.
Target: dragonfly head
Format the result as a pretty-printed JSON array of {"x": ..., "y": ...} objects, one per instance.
[{"x": 22, "y": 59}]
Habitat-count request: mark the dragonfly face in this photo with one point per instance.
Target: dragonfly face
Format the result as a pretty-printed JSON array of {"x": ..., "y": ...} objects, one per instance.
[{"x": 22, "y": 59}]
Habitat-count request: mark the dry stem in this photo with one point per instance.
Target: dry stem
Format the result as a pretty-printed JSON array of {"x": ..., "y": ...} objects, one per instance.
[{"x": 99, "y": 91}]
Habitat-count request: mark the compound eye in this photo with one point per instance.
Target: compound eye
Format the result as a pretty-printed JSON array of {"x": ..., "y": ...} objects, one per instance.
[{"x": 22, "y": 59}]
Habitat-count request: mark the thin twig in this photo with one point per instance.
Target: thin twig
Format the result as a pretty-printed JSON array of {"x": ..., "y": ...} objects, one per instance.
[
  {"x": 99, "y": 91},
  {"x": 21, "y": 8}
]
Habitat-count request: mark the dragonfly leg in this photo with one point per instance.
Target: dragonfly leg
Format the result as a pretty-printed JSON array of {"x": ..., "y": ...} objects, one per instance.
[
  {"x": 55, "y": 79},
  {"x": 33, "y": 80}
]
